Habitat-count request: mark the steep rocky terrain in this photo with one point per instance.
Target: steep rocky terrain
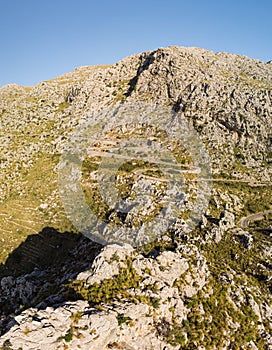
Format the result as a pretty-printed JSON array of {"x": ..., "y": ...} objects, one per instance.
[{"x": 201, "y": 286}]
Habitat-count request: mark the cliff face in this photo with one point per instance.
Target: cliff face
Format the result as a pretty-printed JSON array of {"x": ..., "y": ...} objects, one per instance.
[{"x": 206, "y": 287}]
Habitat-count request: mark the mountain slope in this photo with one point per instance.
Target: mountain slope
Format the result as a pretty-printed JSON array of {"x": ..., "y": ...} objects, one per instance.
[{"x": 206, "y": 288}]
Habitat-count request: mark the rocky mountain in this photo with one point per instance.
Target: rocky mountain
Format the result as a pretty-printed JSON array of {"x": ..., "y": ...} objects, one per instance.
[{"x": 135, "y": 206}]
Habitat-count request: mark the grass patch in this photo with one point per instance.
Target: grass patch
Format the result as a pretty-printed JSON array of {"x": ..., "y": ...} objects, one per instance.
[{"x": 117, "y": 288}]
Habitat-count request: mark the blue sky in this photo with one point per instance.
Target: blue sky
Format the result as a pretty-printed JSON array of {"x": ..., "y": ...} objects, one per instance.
[{"x": 41, "y": 39}]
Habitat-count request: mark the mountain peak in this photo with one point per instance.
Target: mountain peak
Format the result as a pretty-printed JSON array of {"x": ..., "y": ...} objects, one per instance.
[{"x": 135, "y": 205}]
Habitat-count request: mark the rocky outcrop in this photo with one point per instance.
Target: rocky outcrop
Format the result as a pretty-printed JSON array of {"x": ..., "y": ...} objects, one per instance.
[{"x": 134, "y": 321}]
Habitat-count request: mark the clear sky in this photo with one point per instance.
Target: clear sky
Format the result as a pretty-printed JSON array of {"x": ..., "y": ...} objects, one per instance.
[{"x": 41, "y": 39}]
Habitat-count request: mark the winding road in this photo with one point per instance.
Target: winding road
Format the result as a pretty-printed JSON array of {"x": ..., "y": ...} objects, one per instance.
[{"x": 244, "y": 222}]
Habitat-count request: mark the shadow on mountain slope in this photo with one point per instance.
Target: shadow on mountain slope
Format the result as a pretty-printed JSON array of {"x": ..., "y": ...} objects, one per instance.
[
  {"x": 47, "y": 249},
  {"x": 36, "y": 271}
]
